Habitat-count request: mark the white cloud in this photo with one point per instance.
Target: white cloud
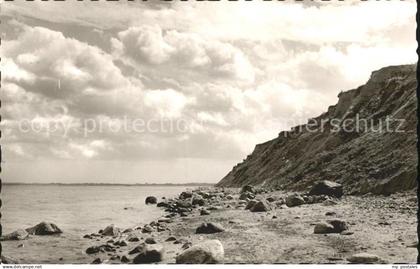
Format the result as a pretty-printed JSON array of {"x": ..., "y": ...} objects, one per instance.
[
  {"x": 186, "y": 51},
  {"x": 168, "y": 103},
  {"x": 49, "y": 63},
  {"x": 238, "y": 73}
]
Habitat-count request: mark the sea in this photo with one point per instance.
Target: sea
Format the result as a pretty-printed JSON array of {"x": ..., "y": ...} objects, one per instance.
[{"x": 81, "y": 209}]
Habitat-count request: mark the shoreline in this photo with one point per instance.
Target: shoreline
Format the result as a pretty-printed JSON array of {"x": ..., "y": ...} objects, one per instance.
[{"x": 277, "y": 234}]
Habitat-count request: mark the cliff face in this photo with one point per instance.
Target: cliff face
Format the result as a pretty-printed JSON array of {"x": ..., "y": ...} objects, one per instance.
[{"x": 367, "y": 142}]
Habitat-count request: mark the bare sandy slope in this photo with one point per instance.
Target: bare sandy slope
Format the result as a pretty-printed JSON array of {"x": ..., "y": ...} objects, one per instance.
[{"x": 384, "y": 226}]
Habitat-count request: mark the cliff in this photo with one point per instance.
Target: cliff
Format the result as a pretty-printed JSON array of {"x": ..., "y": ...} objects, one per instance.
[{"x": 367, "y": 142}]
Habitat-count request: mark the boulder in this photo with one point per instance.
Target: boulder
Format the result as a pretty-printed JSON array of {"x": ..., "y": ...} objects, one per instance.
[
  {"x": 162, "y": 204},
  {"x": 128, "y": 230},
  {"x": 323, "y": 228},
  {"x": 248, "y": 188},
  {"x": 16, "y": 235},
  {"x": 137, "y": 249},
  {"x": 165, "y": 220},
  {"x": 331, "y": 226},
  {"x": 198, "y": 201},
  {"x": 149, "y": 254},
  {"x": 294, "y": 200},
  {"x": 186, "y": 245},
  {"x": 111, "y": 230},
  {"x": 185, "y": 195},
  {"x": 208, "y": 252},
  {"x": 151, "y": 200},
  {"x": 88, "y": 236},
  {"x": 125, "y": 259},
  {"x": 260, "y": 206},
  {"x": 44, "y": 228},
  {"x": 96, "y": 261},
  {"x": 150, "y": 240},
  {"x": 270, "y": 199},
  {"x": 183, "y": 204},
  {"x": 339, "y": 225},
  {"x": 147, "y": 229},
  {"x": 246, "y": 195},
  {"x": 209, "y": 228},
  {"x": 364, "y": 258},
  {"x": 133, "y": 238},
  {"x": 204, "y": 212},
  {"x": 327, "y": 187},
  {"x": 229, "y": 197},
  {"x": 100, "y": 248},
  {"x": 121, "y": 243},
  {"x": 180, "y": 241},
  {"x": 329, "y": 202},
  {"x": 205, "y": 195},
  {"x": 115, "y": 257},
  {"x": 251, "y": 204},
  {"x": 170, "y": 239}
]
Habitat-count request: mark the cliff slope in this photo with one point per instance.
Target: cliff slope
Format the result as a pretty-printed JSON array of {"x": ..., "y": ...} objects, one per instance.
[{"x": 367, "y": 142}]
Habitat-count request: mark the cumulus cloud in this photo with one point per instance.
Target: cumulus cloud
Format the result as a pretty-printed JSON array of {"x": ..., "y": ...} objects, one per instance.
[
  {"x": 186, "y": 51},
  {"x": 75, "y": 64},
  {"x": 233, "y": 75}
]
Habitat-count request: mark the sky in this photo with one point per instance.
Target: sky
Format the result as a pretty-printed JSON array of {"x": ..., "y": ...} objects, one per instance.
[{"x": 156, "y": 92}]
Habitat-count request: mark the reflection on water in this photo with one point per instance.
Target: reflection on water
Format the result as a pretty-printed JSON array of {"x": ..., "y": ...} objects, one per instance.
[{"x": 80, "y": 209}]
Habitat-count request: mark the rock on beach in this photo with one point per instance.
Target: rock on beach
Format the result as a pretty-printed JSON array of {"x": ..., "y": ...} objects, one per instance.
[{"x": 208, "y": 252}]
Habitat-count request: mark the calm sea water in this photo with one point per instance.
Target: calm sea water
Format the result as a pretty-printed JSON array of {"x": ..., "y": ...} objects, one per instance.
[{"x": 80, "y": 209}]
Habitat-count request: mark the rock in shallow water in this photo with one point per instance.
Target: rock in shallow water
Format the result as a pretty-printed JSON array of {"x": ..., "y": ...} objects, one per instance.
[
  {"x": 16, "y": 235},
  {"x": 207, "y": 252},
  {"x": 44, "y": 228},
  {"x": 151, "y": 200},
  {"x": 209, "y": 228},
  {"x": 185, "y": 195},
  {"x": 111, "y": 230}
]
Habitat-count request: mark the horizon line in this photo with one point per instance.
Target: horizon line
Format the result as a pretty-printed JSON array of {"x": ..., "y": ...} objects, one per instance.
[{"x": 103, "y": 183}]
